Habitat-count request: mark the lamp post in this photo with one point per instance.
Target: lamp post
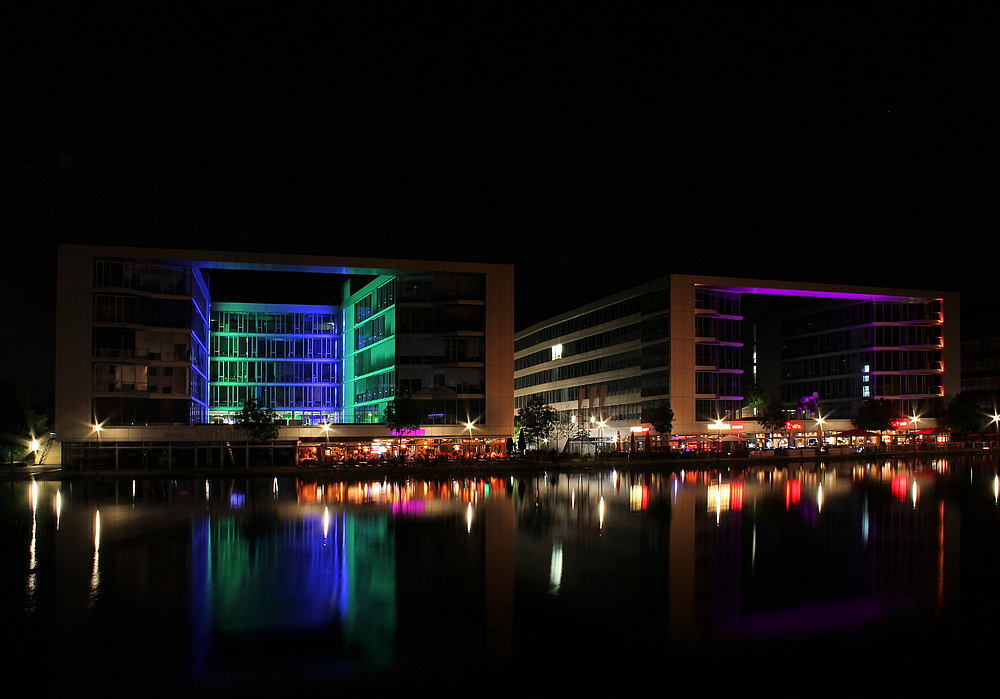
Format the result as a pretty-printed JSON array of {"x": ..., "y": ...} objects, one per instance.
[
  {"x": 326, "y": 433},
  {"x": 468, "y": 426},
  {"x": 996, "y": 420},
  {"x": 97, "y": 431},
  {"x": 601, "y": 425},
  {"x": 591, "y": 427},
  {"x": 819, "y": 432},
  {"x": 913, "y": 429}
]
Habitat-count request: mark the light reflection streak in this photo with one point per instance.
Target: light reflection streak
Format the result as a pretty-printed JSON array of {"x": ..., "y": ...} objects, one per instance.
[
  {"x": 601, "y": 511},
  {"x": 555, "y": 568},
  {"x": 58, "y": 508},
  {"x": 95, "y": 575},
  {"x": 32, "y": 550},
  {"x": 468, "y": 517}
]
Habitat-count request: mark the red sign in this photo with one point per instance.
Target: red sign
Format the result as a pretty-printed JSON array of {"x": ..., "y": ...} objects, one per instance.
[
  {"x": 793, "y": 425},
  {"x": 900, "y": 424}
]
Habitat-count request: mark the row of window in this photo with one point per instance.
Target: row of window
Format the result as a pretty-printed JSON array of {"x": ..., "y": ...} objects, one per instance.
[
  {"x": 442, "y": 287},
  {"x": 274, "y": 322},
  {"x": 142, "y": 276},
  {"x": 598, "y": 365},
  {"x": 599, "y": 316},
  {"x": 375, "y": 302},
  {"x": 278, "y": 397},
  {"x": 616, "y": 387},
  {"x": 608, "y": 338},
  {"x": 373, "y": 330},
  {"x": 440, "y": 350},
  {"x": 262, "y": 347},
  {"x": 424, "y": 320},
  {"x": 854, "y": 314},
  {"x": 248, "y": 371}
]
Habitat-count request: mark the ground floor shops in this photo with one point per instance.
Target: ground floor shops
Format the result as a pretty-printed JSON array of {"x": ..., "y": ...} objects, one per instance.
[{"x": 168, "y": 455}]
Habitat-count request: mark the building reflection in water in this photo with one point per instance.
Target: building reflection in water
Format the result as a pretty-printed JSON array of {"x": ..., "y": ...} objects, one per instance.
[{"x": 369, "y": 576}]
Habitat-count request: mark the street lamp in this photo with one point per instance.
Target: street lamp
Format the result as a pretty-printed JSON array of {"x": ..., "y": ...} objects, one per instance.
[
  {"x": 996, "y": 419},
  {"x": 326, "y": 433},
  {"x": 601, "y": 425},
  {"x": 819, "y": 431},
  {"x": 591, "y": 427},
  {"x": 913, "y": 429},
  {"x": 468, "y": 426}
]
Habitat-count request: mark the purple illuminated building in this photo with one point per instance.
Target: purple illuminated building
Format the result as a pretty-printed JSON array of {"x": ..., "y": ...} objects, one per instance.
[{"x": 687, "y": 339}]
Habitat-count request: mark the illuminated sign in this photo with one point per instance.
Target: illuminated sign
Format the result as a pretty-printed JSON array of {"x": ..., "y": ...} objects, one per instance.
[
  {"x": 407, "y": 433},
  {"x": 900, "y": 424},
  {"x": 639, "y": 429},
  {"x": 735, "y": 427},
  {"x": 793, "y": 425}
]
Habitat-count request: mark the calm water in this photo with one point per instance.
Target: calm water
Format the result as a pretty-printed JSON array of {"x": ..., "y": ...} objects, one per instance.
[{"x": 584, "y": 578}]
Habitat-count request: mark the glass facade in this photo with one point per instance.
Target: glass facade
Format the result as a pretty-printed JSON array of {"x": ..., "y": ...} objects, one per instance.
[
  {"x": 890, "y": 349},
  {"x": 149, "y": 343},
  {"x": 286, "y": 357}
]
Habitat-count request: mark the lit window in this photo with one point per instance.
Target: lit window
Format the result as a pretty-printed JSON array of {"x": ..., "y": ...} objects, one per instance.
[{"x": 556, "y": 351}]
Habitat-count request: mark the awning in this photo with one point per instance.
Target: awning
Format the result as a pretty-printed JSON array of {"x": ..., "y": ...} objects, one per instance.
[
  {"x": 932, "y": 430},
  {"x": 855, "y": 433}
]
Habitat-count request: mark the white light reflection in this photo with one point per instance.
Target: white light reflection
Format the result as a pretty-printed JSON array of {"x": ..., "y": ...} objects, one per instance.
[
  {"x": 555, "y": 568},
  {"x": 819, "y": 498},
  {"x": 468, "y": 518},
  {"x": 133, "y": 489},
  {"x": 207, "y": 489},
  {"x": 914, "y": 490},
  {"x": 30, "y": 587},
  {"x": 274, "y": 486},
  {"x": 996, "y": 489},
  {"x": 95, "y": 575},
  {"x": 58, "y": 507},
  {"x": 601, "y": 511},
  {"x": 326, "y": 522},
  {"x": 864, "y": 524}
]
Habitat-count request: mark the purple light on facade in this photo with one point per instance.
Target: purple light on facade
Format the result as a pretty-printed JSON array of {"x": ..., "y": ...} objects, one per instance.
[{"x": 808, "y": 293}]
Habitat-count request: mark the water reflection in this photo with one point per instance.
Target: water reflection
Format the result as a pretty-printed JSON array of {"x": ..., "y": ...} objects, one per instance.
[{"x": 355, "y": 579}]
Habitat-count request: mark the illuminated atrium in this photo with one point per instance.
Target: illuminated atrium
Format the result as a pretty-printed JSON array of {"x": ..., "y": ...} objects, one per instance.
[{"x": 149, "y": 368}]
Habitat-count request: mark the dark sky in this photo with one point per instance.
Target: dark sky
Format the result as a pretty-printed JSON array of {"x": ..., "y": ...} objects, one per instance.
[{"x": 592, "y": 151}]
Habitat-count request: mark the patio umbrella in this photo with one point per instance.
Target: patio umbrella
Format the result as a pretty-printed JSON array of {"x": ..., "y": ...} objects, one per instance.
[
  {"x": 733, "y": 438},
  {"x": 618, "y": 442},
  {"x": 855, "y": 433},
  {"x": 645, "y": 447},
  {"x": 632, "y": 442}
]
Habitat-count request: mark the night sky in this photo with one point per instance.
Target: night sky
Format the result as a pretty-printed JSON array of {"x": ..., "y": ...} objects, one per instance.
[{"x": 592, "y": 151}]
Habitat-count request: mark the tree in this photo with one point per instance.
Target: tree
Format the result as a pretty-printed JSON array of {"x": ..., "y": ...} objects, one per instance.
[
  {"x": 260, "y": 423},
  {"x": 772, "y": 418},
  {"x": 963, "y": 414},
  {"x": 403, "y": 413},
  {"x": 754, "y": 396},
  {"x": 536, "y": 418},
  {"x": 662, "y": 420},
  {"x": 874, "y": 414}
]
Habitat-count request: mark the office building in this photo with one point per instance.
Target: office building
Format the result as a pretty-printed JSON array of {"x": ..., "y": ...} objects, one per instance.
[
  {"x": 683, "y": 339},
  {"x": 148, "y": 362}
]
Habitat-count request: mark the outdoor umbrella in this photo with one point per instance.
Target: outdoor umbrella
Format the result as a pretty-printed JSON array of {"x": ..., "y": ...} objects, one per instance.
[
  {"x": 520, "y": 442},
  {"x": 632, "y": 442},
  {"x": 855, "y": 433},
  {"x": 645, "y": 447},
  {"x": 618, "y": 442}
]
